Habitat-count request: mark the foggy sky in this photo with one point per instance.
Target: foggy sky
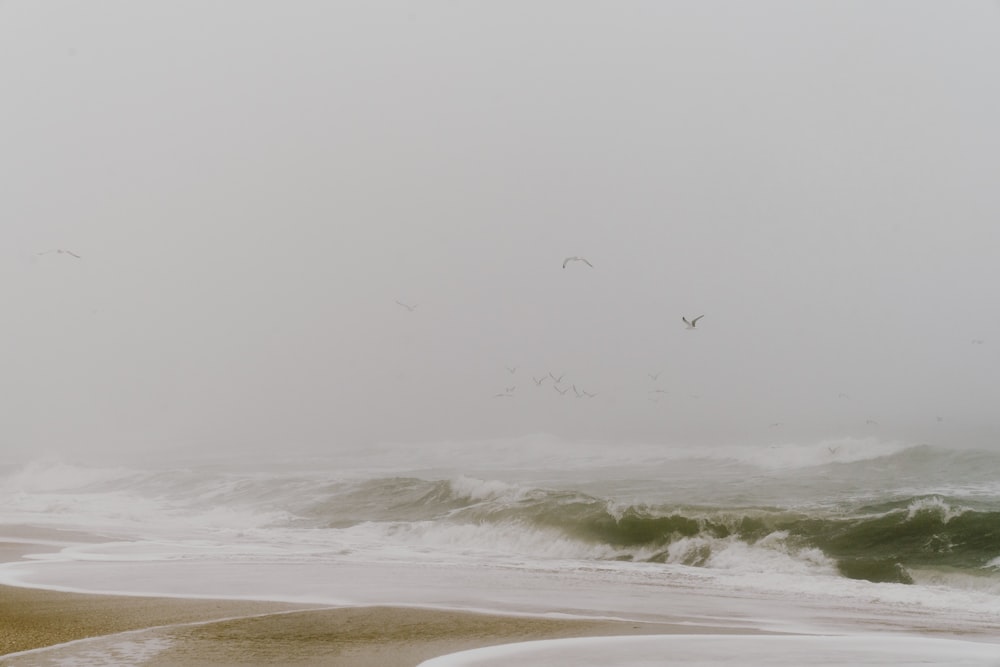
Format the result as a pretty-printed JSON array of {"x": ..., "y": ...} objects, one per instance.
[{"x": 251, "y": 186}]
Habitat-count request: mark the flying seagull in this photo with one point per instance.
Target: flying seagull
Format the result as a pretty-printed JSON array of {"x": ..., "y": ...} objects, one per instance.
[
  {"x": 588, "y": 394},
  {"x": 557, "y": 379},
  {"x": 510, "y": 389},
  {"x": 576, "y": 259},
  {"x": 539, "y": 381},
  {"x": 693, "y": 323},
  {"x": 562, "y": 392},
  {"x": 60, "y": 251},
  {"x": 407, "y": 306},
  {"x": 511, "y": 369}
]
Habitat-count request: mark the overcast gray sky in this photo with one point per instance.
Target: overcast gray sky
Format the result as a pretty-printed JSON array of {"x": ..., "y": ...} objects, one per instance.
[{"x": 251, "y": 187}]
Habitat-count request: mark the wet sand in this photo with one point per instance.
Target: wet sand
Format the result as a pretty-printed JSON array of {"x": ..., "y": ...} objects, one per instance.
[{"x": 265, "y": 633}]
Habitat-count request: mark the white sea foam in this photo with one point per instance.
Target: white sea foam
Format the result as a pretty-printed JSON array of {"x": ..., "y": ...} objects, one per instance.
[
  {"x": 541, "y": 452},
  {"x": 53, "y": 474},
  {"x": 937, "y": 505},
  {"x": 742, "y": 650},
  {"x": 464, "y": 538}
]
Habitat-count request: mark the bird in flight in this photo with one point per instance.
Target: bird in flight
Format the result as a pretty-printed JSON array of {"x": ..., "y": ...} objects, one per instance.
[
  {"x": 562, "y": 392},
  {"x": 407, "y": 306},
  {"x": 539, "y": 381},
  {"x": 654, "y": 376},
  {"x": 588, "y": 394},
  {"x": 576, "y": 259},
  {"x": 693, "y": 323},
  {"x": 511, "y": 369},
  {"x": 60, "y": 251},
  {"x": 557, "y": 379},
  {"x": 510, "y": 389}
]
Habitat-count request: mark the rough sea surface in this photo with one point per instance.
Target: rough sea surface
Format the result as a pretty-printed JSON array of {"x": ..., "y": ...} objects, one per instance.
[{"x": 835, "y": 538}]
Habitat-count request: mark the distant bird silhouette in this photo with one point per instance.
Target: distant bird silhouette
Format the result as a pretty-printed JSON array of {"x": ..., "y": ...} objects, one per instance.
[
  {"x": 511, "y": 369},
  {"x": 576, "y": 259},
  {"x": 654, "y": 376},
  {"x": 577, "y": 392},
  {"x": 693, "y": 323},
  {"x": 833, "y": 450},
  {"x": 539, "y": 381},
  {"x": 60, "y": 251},
  {"x": 562, "y": 392},
  {"x": 510, "y": 389},
  {"x": 407, "y": 306},
  {"x": 557, "y": 379},
  {"x": 588, "y": 394}
]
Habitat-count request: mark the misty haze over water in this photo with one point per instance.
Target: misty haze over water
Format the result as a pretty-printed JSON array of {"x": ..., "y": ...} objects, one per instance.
[
  {"x": 251, "y": 191},
  {"x": 674, "y": 311}
]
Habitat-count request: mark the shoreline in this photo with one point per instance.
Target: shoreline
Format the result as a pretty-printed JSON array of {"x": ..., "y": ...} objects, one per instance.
[{"x": 193, "y": 632}]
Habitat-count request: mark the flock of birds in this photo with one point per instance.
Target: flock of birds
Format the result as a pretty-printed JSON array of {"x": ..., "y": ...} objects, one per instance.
[
  {"x": 557, "y": 380},
  {"x": 564, "y": 389},
  {"x": 557, "y": 385}
]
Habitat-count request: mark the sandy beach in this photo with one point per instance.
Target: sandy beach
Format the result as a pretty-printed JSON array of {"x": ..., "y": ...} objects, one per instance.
[{"x": 234, "y": 632}]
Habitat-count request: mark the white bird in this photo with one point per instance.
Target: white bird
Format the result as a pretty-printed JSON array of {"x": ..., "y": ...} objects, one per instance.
[
  {"x": 693, "y": 323},
  {"x": 407, "y": 306},
  {"x": 60, "y": 251},
  {"x": 576, "y": 259}
]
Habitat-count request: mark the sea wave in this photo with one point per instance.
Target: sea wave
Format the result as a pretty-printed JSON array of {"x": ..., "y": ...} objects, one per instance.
[{"x": 910, "y": 515}]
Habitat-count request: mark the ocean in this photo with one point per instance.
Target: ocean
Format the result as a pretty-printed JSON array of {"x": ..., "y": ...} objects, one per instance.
[{"x": 836, "y": 538}]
